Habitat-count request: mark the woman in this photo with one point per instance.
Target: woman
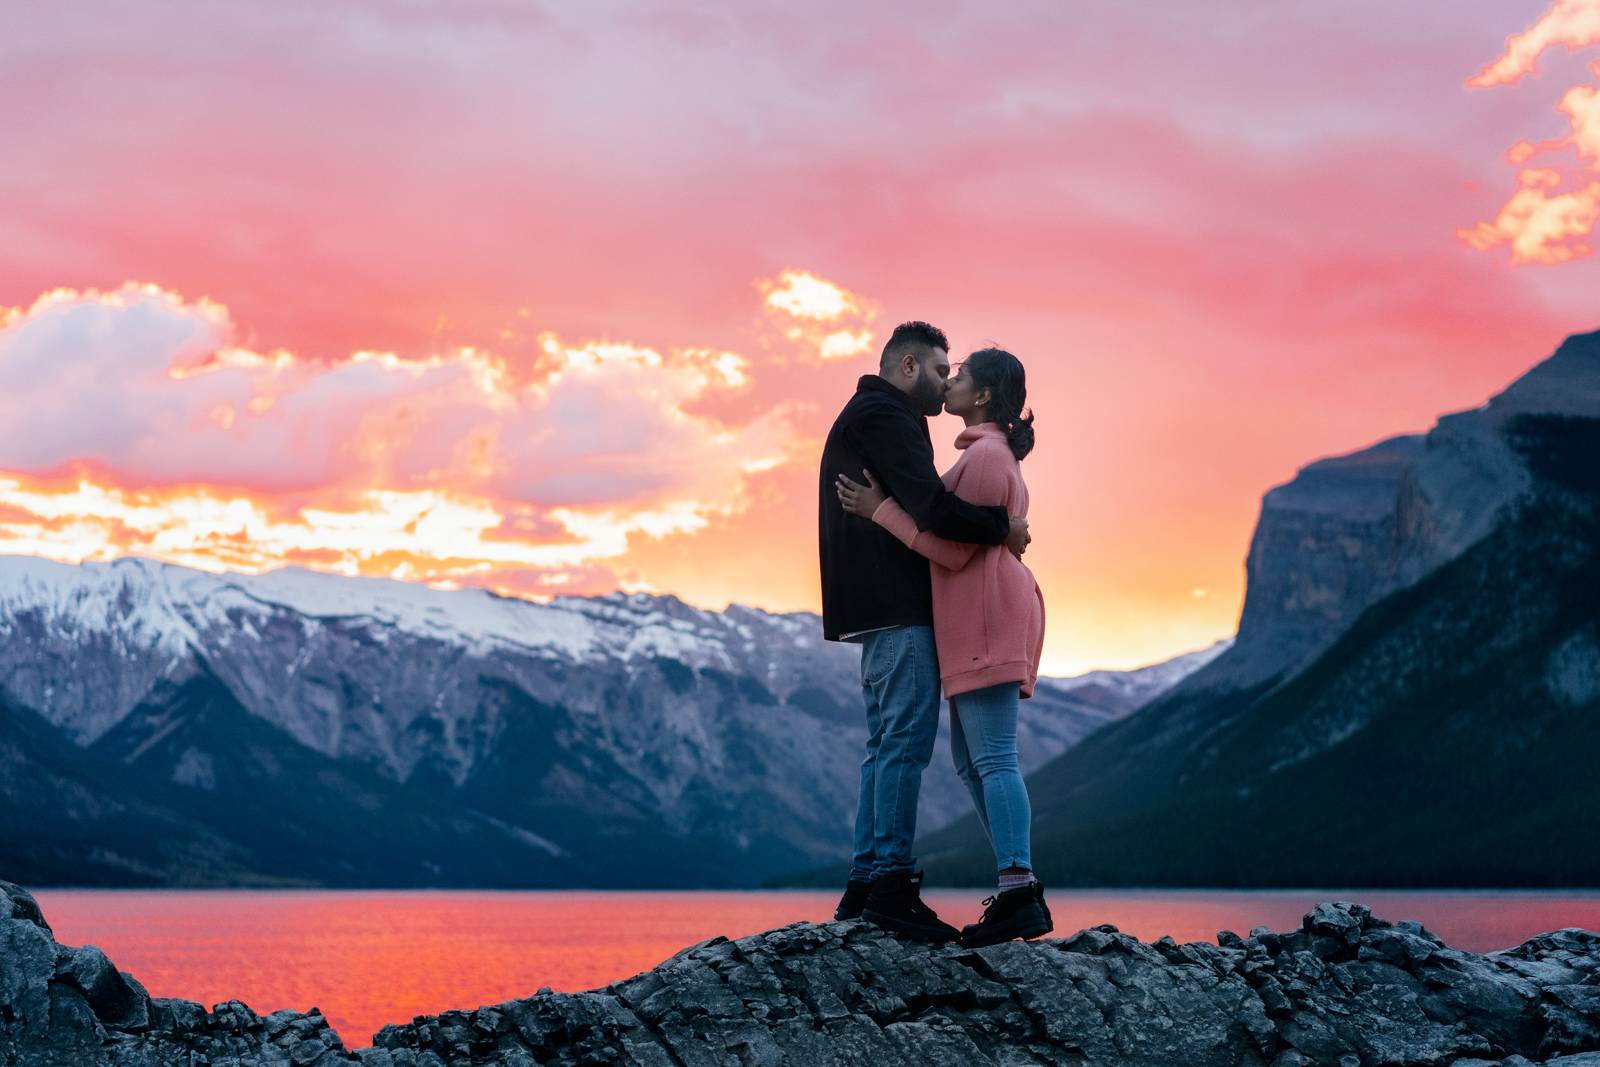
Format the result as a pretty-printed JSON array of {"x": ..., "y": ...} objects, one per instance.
[{"x": 988, "y": 624}]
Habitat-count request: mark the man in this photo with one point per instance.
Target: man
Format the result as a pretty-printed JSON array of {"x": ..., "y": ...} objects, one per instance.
[{"x": 876, "y": 591}]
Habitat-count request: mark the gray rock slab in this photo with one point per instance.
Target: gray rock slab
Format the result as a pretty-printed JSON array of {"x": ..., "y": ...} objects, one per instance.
[{"x": 1346, "y": 989}]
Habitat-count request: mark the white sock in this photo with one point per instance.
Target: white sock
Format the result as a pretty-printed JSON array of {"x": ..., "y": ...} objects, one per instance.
[{"x": 1015, "y": 881}]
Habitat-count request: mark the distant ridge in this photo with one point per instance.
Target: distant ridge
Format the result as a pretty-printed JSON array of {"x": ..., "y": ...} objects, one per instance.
[{"x": 164, "y": 726}]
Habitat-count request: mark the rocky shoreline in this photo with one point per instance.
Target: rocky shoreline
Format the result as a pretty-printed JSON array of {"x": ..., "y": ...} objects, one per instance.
[{"x": 1347, "y": 989}]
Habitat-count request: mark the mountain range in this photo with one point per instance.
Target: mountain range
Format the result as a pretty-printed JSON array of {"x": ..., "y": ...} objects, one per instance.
[
  {"x": 166, "y": 726},
  {"x": 1413, "y": 696}
]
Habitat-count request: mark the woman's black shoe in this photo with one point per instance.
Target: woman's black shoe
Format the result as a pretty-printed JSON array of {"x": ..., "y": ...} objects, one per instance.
[
  {"x": 854, "y": 899},
  {"x": 1007, "y": 916},
  {"x": 896, "y": 905}
]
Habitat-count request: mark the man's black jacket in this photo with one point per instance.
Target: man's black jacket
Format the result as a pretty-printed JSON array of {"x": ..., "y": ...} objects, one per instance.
[{"x": 870, "y": 579}]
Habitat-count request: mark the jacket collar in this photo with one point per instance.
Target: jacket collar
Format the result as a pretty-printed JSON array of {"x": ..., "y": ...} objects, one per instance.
[{"x": 873, "y": 383}]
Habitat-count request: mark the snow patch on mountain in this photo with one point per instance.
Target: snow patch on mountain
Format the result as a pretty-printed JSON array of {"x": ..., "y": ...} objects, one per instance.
[
  {"x": 736, "y": 734},
  {"x": 1144, "y": 684},
  {"x": 402, "y": 677},
  {"x": 167, "y": 606}
]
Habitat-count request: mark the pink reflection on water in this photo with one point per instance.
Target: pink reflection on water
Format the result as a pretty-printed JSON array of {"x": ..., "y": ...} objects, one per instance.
[{"x": 368, "y": 958}]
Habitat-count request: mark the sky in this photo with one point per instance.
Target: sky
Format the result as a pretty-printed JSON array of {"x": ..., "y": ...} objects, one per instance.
[{"x": 562, "y": 299}]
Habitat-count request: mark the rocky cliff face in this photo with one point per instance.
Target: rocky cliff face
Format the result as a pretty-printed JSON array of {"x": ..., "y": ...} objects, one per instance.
[
  {"x": 1348, "y": 531},
  {"x": 1325, "y": 546},
  {"x": 1347, "y": 989},
  {"x": 166, "y": 725},
  {"x": 1411, "y": 685}
]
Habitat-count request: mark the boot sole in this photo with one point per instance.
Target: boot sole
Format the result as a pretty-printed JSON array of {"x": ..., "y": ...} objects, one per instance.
[
  {"x": 1022, "y": 932},
  {"x": 914, "y": 930}
]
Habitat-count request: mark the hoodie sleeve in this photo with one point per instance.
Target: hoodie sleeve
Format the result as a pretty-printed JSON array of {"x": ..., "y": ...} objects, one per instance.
[
  {"x": 951, "y": 555},
  {"x": 983, "y": 482},
  {"x": 897, "y": 449}
]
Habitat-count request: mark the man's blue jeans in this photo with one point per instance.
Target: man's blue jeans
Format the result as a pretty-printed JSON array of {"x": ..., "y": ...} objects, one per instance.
[
  {"x": 983, "y": 743},
  {"x": 900, "y": 686}
]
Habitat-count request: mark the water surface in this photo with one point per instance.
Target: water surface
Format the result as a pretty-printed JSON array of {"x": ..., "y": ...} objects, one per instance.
[{"x": 368, "y": 958}]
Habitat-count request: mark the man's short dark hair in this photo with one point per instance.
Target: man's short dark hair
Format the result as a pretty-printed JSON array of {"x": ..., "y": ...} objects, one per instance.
[{"x": 908, "y": 335}]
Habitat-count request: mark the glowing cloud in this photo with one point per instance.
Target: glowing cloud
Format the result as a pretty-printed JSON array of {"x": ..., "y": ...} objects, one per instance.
[
  {"x": 806, "y": 296},
  {"x": 826, "y": 321},
  {"x": 1582, "y": 106},
  {"x": 132, "y": 422},
  {"x": 844, "y": 344},
  {"x": 507, "y": 277},
  {"x": 1574, "y": 23},
  {"x": 1538, "y": 223},
  {"x": 1540, "y": 227}
]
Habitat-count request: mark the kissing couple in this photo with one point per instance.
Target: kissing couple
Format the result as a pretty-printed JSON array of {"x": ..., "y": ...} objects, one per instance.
[{"x": 926, "y": 574}]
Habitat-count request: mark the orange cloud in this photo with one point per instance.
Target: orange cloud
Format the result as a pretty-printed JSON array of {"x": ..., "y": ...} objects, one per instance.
[
  {"x": 1540, "y": 227},
  {"x": 421, "y": 536},
  {"x": 132, "y": 422},
  {"x": 1538, "y": 223},
  {"x": 826, "y": 321},
  {"x": 1574, "y": 23},
  {"x": 1582, "y": 105},
  {"x": 804, "y": 295}
]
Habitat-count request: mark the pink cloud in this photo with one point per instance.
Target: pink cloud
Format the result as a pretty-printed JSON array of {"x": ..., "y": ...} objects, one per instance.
[
  {"x": 1542, "y": 222},
  {"x": 460, "y": 467},
  {"x": 1573, "y": 23},
  {"x": 1540, "y": 226},
  {"x": 1168, "y": 213},
  {"x": 1582, "y": 105},
  {"x": 140, "y": 381}
]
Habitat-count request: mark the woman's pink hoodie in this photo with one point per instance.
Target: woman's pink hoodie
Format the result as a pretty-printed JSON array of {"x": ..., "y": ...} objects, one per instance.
[{"x": 988, "y": 613}]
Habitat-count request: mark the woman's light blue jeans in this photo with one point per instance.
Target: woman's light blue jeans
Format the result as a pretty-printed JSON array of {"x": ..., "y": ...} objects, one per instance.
[{"x": 983, "y": 742}]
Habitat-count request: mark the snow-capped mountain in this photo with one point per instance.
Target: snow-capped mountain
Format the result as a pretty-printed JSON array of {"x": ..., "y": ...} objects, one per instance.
[
  {"x": 331, "y": 660},
  {"x": 302, "y": 726},
  {"x": 1141, "y": 685}
]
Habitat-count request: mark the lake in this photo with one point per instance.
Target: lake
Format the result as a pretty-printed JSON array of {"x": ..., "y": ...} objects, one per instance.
[{"x": 368, "y": 958}]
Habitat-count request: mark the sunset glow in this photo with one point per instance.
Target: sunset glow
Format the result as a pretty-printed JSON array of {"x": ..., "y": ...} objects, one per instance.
[
  {"x": 564, "y": 301},
  {"x": 1551, "y": 216},
  {"x": 452, "y": 468}
]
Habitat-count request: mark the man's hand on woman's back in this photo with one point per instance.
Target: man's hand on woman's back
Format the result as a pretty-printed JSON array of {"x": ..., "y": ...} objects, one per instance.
[{"x": 1017, "y": 540}]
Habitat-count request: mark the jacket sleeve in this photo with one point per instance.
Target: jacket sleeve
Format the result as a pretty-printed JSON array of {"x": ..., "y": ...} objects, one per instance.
[
  {"x": 897, "y": 451},
  {"x": 950, "y": 555}
]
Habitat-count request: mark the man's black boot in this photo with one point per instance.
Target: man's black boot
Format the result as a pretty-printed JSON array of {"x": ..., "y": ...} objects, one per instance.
[
  {"x": 896, "y": 905},
  {"x": 1038, "y": 894},
  {"x": 854, "y": 899},
  {"x": 1008, "y": 915}
]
